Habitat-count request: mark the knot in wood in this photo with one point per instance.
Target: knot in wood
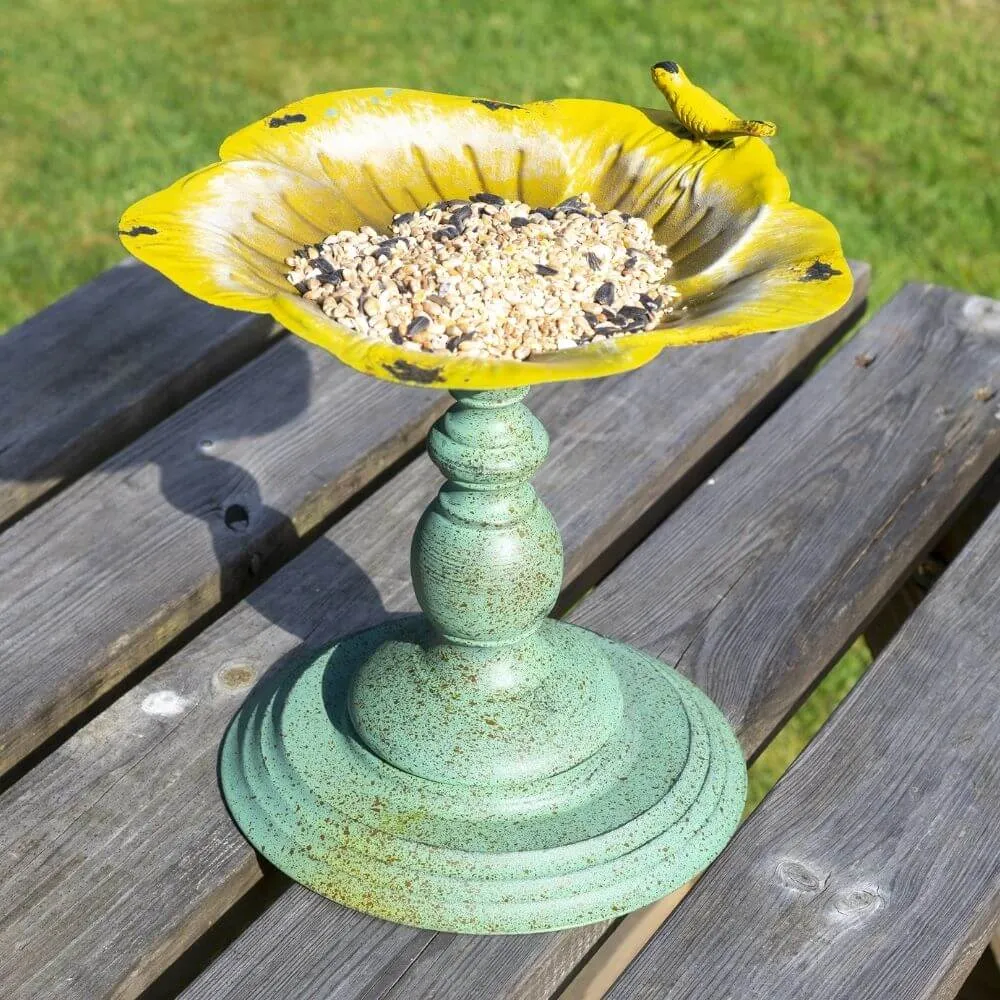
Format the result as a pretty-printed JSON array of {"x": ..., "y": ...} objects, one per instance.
[{"x": 799, "y": 877}]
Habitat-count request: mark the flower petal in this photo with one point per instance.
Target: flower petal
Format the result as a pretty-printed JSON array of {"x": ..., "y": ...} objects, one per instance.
[
  {"x": 387, "y": 151},
  {"x": 222, "y": 233}
]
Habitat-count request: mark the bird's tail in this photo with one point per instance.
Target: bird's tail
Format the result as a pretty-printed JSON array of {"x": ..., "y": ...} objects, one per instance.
[{"x": 762, "y": 130}]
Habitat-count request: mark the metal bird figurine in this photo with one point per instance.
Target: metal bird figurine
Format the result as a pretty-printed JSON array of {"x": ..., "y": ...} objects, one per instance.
[{"x": 700, "y": 113}]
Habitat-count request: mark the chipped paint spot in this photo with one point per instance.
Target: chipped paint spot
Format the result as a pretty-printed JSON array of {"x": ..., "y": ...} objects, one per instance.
[
  {"x": 407, "y": 372},
  {"x": 497, "y": 105},
  {"x": 819, "y": 271},
  {"x": 278, "y": 121},
  {"x": 389, "y": 91},
  {"x": 138, "y": 231},
  {"x": 163, "y": 703},
  {"x": 332, "y": 112}
]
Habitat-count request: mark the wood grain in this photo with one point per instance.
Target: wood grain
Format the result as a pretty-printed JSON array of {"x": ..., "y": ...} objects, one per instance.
[
  {"x": 756, "y": 584},
  {"x": 125, "y": 818},
  {"x": 100, "y": 366},
  {"x": 184, "y": 520},
  {"x": 873, "y": 868}
]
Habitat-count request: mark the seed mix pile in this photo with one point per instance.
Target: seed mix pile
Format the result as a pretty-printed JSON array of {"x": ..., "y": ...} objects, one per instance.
[{"x": 487, "y": 277}]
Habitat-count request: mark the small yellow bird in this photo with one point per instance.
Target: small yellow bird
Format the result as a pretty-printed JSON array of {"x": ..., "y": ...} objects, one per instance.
[{"x": 700, "y": 113}]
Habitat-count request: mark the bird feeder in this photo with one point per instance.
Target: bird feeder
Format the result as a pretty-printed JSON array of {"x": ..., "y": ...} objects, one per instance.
[{"x": 482, "y": 767}]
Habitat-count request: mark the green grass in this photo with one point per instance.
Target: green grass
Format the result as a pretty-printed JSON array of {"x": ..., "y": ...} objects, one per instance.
[{"x": 886, "y": 113}]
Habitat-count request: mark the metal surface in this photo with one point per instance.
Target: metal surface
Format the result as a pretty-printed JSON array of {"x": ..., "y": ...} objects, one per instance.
[{"x": 481, "y": 767}]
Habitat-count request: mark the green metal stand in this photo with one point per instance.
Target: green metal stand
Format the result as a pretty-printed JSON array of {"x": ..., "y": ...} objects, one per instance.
[{"x": 482, "y": 767}]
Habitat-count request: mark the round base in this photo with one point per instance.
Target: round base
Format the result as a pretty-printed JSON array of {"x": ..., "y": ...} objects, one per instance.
[{"x": 650, "y": 809}]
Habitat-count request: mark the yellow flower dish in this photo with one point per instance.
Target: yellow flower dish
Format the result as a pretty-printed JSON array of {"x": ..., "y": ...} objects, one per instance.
[{"x": 747, "y": 259}]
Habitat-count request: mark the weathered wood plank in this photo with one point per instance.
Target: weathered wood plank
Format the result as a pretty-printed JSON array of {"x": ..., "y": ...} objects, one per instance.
[
  {"x": 182, "y": 521},
  {"x": 100, "y": 367},
  {"x": 873, "y": 868},
  {"x": 125, "y": 818},
  {"x": 760, "y": 580}
]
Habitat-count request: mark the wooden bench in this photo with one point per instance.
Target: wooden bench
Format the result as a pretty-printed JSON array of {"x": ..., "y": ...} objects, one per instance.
[{"x": 192, "y": 498}]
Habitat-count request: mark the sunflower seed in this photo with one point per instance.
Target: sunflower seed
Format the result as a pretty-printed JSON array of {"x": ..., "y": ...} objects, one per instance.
[
  {"x": 460, "y": 216},
  {"x": 632, "y": 314},
  {"x": 605, "y": 295}
]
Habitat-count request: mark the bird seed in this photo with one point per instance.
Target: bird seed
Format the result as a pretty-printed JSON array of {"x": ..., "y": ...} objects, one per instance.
[{"x": 485, "y": 277}]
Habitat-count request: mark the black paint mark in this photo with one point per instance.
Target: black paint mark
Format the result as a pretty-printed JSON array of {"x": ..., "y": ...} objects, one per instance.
[
  {"x": 820, "y": 271},
  {"x": 668, "y": 65},
  {"x": 284, "y": 120},
  {"x": 497, "y": 105},
  {"x": 138, "y": 231},
  {"x": 406, "y": 372}
]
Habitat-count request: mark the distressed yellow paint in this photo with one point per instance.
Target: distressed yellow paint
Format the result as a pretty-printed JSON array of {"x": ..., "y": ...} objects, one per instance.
[{"x": 748, "y": 260}]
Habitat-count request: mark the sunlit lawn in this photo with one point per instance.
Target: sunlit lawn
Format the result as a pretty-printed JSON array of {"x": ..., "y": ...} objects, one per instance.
[{"x": 887, "y": 115}]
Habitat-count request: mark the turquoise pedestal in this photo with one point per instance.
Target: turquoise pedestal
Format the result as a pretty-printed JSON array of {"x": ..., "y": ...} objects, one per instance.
[{"x": 482, "y": 767}]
